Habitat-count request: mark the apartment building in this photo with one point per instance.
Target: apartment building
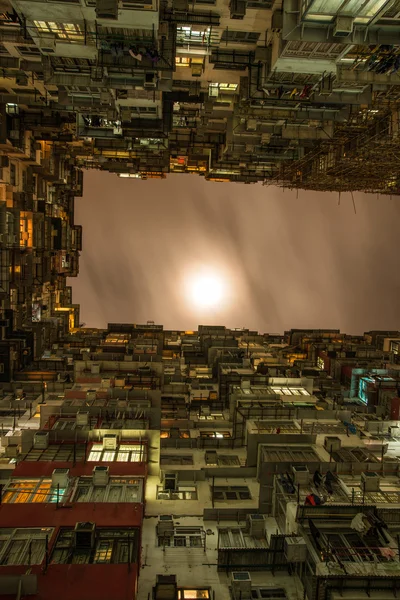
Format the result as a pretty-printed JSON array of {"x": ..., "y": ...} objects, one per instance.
[
  {"x": 290, "y": 93},
  {"x": 125, "y": 475}
]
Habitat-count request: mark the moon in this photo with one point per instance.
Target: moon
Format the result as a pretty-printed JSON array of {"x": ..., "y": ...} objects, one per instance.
[{"x": 207, "y": 289}]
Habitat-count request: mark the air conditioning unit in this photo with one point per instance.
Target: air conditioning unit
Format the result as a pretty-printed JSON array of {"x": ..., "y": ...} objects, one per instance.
[
  {"x": 12, "y": 451},
  {"x": 101, "y": 475},
  {"x": 47, "y": 45},
  {"x": 295, "y": 549},
  {"x": 165, "y": 526},
  {"x": 256, "y": 525},
  {"x": 277, "y": 21},
  {"x": 41, "y": 440},
  {"x": 150, "y": 81},
  {"x": 107, "y": 9},
  {"x": 238, "y": 9},
  {"x": 95, "y": 368},
  {"x": 301, "y": 475},
  {"x": 60, "y": 477},
  {"x": 370, "y": 481},
  {"x": 197, "y": 70},
  {"x": 163, "y": 30},
  {"x": 332, "y": 443},
  {"x": 82, "y": 417},
  {"x": 84, "y": 535},
  {"x": 251, "y": 125},
  {"x": 241, "y": 585},
  {"x": 343, "y": 26},
  {"x": 110, "y": 441},
  {"x": 21, "y": 79}
]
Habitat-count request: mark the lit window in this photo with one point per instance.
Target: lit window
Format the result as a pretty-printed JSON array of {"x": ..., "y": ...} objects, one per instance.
[
  {"x": 182, "y": 61},
  {"x": 24, "y": 491},
  {"x": 228, "y": 86},
  {"x": 63, "y": 31},
  {"x": 94, "y": 456},
  {"x": 194, "y": 594},
  {"x": 103, "y": 552},
  {"x": 123, "y": 457},
  {"x": 108, "y": 456},
  {"x": 42, "y": 25}
]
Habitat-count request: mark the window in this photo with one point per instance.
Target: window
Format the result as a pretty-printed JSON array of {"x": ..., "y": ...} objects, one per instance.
[
  {"x": 240, "y": 37},
  {"x": 110, "y": 546},
  {"x": 21, "y": 491},
  {"x": 260, "y": 4},
  {"x": 190, "y": 34},
  {"x": 119, "y": 489},
  {"x": 23, "y": 546},
  {"x": 228, "y": 460},
  {"x": 124, "y": 453},
  {"x": 183, "y": 537},
  {"x": 215, "y": 434},
  {"x": 176, "y": 459},
  {"x": 182, "y": 61},
  {"x": 28, "y": 50},
  {"x": 224, "y": 493},
  {"x": 13, "y": 174},
  {"x": 182, "y": 492},
  {"x": 270, "y": 593},
  {"x": 223, "y": 87},
  {"x": 181, "y": 434},
  {"x": 193, "y": 594},
  {"x": 63, "y": 31}
]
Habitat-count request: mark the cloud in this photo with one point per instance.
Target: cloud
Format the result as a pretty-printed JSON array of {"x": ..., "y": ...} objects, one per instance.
[{"x": 293, "y": 260}]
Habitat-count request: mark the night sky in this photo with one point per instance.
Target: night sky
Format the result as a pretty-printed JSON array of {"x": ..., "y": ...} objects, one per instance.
[{"x": 282, "y": 261}]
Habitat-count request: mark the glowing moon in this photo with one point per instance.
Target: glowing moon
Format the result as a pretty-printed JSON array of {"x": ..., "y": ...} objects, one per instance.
[{"x": 207, "y": 290}]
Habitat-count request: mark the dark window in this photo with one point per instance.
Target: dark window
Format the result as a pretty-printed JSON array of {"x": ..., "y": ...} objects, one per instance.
[
  {"x": 175, "y": 459},
  {"x": 179, "y": 541},
  {"x": 114, "y": 546},
  {"x": 13, "y": 174},
  {"x": 240, "y": 37},
  {"x": 241, "y": 492},
  {"x": 259, "y": 4},
  {"x": 28, "y": 50}
]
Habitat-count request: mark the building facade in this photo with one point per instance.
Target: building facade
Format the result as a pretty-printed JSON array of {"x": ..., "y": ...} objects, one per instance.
[
  {"x": 265, "y": 469},
  {"x": 296, "y": 93}
]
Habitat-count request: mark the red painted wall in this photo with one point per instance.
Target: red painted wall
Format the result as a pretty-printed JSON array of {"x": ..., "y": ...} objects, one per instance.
[
  {"x": 395, "y": 409},
  {"x": 45, "y": 468},
  {"x": 104, "y": 514},
  {"x": 81, "y": 582}
]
